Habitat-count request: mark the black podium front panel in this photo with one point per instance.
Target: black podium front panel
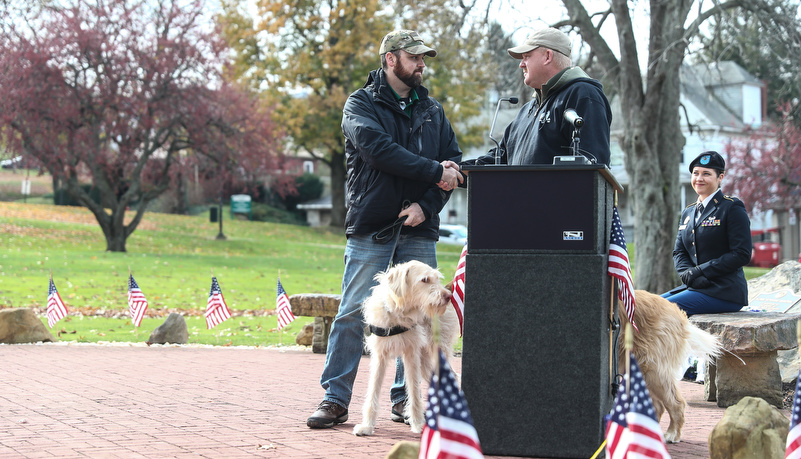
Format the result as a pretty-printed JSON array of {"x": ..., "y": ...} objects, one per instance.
[
  {"x": 535, "y": 362},
  {"x": 536, "y": 210}
]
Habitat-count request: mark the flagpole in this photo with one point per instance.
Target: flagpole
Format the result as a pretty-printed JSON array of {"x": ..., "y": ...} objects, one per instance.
[
  {"x": 212, "y": 280},
  {"x": 612, "y": 369},
  {"x": 280, "y": 329},
  {"x": 629, "y": 346}
]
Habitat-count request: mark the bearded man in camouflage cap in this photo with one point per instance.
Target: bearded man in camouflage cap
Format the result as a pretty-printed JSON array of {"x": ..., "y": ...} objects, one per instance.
[{"x": 401, "y": 154}]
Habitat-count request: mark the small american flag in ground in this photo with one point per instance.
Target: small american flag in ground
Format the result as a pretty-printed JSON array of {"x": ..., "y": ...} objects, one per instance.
[
  {"x": 794, "y": 436},
  {"x": 457, "y": 299},
  {"x": 632, "y": 429},
  {"x": 282, "y": 308},
  {"x": 619, "y": 267},
  {"x": 616, "y": 426},
  {"x": 55, "y": 307},
  {"x": 137, "y": 304},
  {"x": 449, "y": 431},
  {"x": 217, "y": 311}
]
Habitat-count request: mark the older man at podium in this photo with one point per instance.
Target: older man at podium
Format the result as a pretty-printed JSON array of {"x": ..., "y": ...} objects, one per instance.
[{"x": 541, "y": 131}]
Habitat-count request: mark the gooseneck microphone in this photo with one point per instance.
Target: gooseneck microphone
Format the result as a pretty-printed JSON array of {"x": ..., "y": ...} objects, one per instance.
[
  {"x": 511, "y": 100},
  {"x": 573, "y": 118}
]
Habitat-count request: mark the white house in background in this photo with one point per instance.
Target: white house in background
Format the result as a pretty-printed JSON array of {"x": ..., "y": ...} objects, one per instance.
[{"x": 719, "y": 103}]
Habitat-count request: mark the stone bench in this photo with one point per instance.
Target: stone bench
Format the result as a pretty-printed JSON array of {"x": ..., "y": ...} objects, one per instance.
[
  {"x": 323, "y": 308},
  {"x": 754, "y": 337}
]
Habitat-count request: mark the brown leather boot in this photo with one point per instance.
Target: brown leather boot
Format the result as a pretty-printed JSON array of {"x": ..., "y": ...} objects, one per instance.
[{"x": 328, "y": 414}]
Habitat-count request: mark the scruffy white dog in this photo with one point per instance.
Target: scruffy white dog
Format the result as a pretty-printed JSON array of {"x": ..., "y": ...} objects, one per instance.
[{"x": 400, "y": 312}]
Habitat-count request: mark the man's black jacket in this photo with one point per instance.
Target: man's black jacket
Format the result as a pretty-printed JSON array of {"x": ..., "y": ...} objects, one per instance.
[{"x": 393, "y": 158}]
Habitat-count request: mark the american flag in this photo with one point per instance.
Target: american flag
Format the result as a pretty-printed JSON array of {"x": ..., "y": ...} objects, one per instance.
[
  {"x": 282, "y": 307},
  {"x": 619, "y": 267},
  {"x": 137, "y": 304},
  {"x": 217, "y": 311},
  {"x": 794, "y": 436},
  {"x": 449, "y": 431},
  {"x": 632, "y": 427},
  {"x": 457, "y": 299},
  {"x": 55, "y": 307}
]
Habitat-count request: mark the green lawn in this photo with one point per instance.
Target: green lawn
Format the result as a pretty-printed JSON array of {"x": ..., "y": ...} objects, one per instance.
[{"x": 172, "y": 259}]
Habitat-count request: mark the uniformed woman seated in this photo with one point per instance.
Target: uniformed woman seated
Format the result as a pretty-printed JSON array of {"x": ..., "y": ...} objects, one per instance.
[{"x": 712, "y": 246}]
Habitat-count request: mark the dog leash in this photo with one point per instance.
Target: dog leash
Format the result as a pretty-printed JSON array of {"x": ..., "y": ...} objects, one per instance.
[
  {"x": 382, "y": 236},
  {"x": 391, "y": 231}
]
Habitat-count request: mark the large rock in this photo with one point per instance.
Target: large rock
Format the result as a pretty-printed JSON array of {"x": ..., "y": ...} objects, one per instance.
[
  {"x": 305, "y": 335},
  {"x": 19, "y": 325},
  {"x": 785, "y": 276},
  {"x": 751, "y": 429},
  {"x": 173, "y": 331},
  {"x": 404, "y": 450}
]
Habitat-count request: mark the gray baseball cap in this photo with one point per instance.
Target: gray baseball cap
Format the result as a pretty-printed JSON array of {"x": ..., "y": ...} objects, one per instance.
[
  {"x": 406, "y": 40},
  {"x": 546, "y": 38}
]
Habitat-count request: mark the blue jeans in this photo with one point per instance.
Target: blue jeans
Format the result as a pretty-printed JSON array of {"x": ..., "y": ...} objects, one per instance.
[
  {"x": 697, "y": 303},
  {"x": 364, "y": 258}
]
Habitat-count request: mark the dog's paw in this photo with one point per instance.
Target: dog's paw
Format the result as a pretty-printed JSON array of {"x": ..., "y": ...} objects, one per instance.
[
  {"x": 363, "y": 430},
  {"x": 416, "y": 426},
  {"x": 672, "y": 437}
]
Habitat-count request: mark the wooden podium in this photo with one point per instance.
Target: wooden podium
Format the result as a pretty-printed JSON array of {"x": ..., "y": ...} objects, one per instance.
[{"x": 536, "y": 349}]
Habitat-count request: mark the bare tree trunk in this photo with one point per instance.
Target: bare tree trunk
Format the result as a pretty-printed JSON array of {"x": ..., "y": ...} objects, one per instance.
[
  {"x": 654, "y": 142},
  {"x": 112, "y": 224},
  {"x": 57, "y": 192},
  {"x": 655, "y": 204},
  {"x": 115, "y": 236},
  {"x": 181, "y": 195},
  {"x": 652, "y": 139}
]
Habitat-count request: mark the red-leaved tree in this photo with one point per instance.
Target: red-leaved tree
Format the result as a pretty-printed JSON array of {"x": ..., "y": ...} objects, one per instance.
[
  {"x": 765, "y": 170},
  {"x": 130, "y": 96}
]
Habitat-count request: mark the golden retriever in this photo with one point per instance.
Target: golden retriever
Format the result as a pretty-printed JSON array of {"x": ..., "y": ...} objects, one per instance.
[
  {"x": 408, "y": 296},
  {"x": 661, "y": 347}
]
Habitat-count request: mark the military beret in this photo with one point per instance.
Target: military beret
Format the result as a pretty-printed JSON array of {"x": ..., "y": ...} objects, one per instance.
[{"x": 710, "y": 160}]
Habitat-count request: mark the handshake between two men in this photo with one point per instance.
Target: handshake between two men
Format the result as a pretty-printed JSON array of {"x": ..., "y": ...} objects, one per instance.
[{"x": 451, "y": 176}]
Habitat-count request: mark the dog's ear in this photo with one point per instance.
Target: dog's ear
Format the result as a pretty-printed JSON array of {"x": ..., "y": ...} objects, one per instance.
[{"x": 396, "y": 282}]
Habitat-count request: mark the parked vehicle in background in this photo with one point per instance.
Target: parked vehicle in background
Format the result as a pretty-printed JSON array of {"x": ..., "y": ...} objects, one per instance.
[
  {"x": 766, "y": 248},
  {"x": 453, "y": 234},
  {"x": 14, "y": 162}
]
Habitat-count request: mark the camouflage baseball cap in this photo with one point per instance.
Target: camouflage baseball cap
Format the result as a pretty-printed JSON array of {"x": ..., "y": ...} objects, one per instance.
[{"x": 406, "y": 40}]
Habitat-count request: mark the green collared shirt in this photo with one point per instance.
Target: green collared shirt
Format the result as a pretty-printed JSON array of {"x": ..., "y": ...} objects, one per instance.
[{"x": 406, "y": 104}]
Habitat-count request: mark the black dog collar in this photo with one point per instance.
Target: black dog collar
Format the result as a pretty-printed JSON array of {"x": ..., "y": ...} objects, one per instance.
[{"x": 396, "y": 330}]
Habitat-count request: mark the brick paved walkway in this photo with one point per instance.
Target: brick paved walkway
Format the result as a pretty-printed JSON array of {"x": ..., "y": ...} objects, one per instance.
[{"x": 90, "y": 401}]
